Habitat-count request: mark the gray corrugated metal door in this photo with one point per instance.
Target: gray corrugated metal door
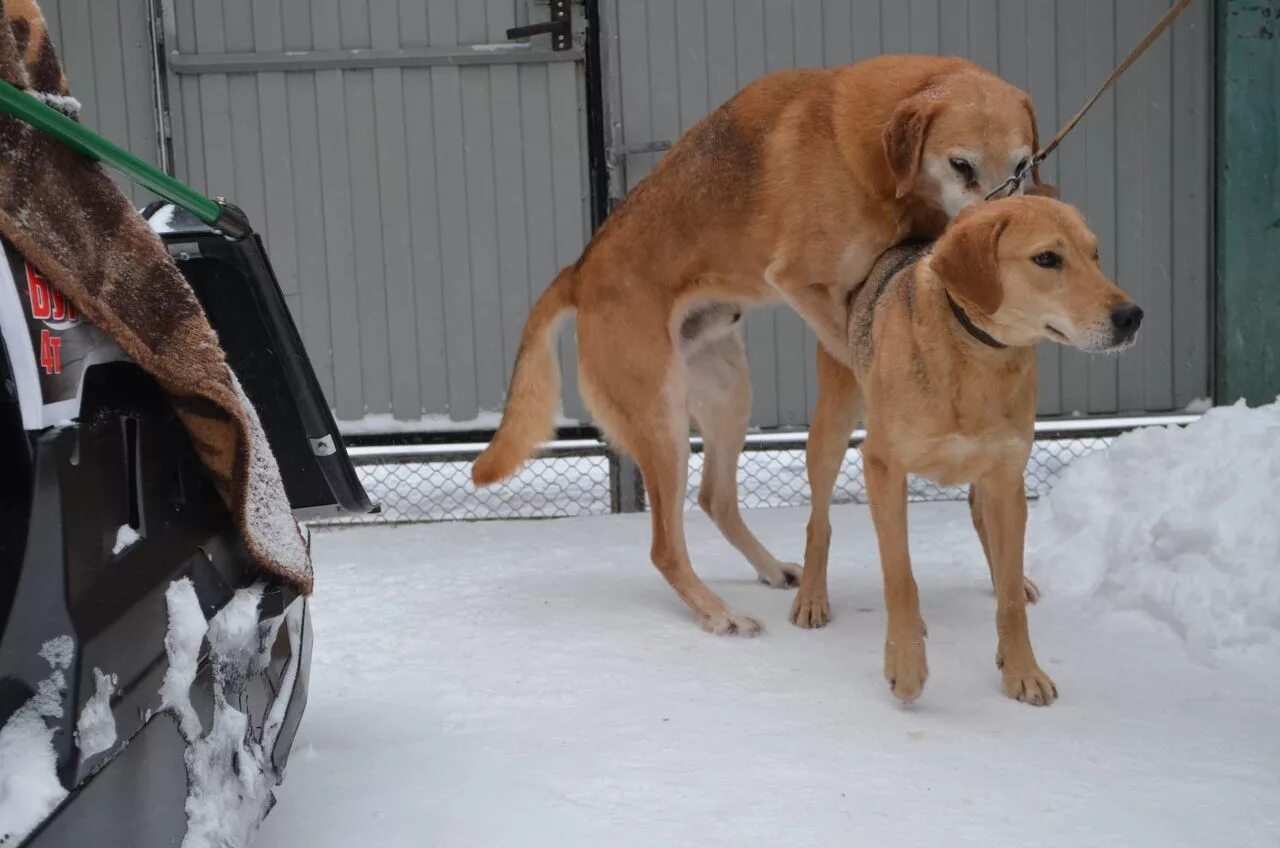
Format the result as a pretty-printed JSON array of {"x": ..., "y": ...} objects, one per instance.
[
  {"x": 417, "y": 179},
  {"x": 1139, "y": 166}
]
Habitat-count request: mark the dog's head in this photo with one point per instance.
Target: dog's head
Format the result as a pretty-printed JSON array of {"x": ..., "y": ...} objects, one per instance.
[
  {"x": 1028, "y": 268},
  {"x": 961, "y": 137}
]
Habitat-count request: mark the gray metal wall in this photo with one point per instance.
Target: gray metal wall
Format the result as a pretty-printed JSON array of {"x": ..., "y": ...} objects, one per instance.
[
  {"x": 411, "y": 212},
  {"x": 106, "y": 49},
  {"x": 1139, "y": 166}
]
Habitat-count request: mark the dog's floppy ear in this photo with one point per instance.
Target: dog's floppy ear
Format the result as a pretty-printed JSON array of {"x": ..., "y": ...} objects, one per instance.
[
  {"x": 904, "y": 139},
  {"x": 965, "y": 259},
  {"x": 1035, "y": 148}
]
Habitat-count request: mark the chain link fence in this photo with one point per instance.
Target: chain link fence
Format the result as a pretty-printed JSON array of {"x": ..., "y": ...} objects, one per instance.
[{"x": 417, "y": 483}]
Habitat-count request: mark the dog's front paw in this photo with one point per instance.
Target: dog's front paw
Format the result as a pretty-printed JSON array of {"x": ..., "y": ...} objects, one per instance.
[
  {"x": 782, "y": 575},
  {"x": 905, "y": 666},
  {"x": 1028, "y": 683},
  {"x": 730, "y": 623},
  {"x": 811, "y": 609}
]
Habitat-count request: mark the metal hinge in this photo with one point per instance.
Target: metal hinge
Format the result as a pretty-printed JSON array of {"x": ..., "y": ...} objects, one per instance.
[
  {"x": 620, "y": 154},
  {"x": 560, "y": 27}
]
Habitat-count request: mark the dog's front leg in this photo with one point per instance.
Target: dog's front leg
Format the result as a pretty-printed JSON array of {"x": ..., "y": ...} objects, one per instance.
[
  {"x": 1003, "y": 502},
  {"x": 823, "y": 306},
  {"x": 904, "y": 656},
  {"x": 837, "y": 412}
]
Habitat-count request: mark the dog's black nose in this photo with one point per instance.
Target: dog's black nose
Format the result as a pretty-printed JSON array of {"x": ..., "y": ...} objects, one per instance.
[{"x": 1126, "y": 319}]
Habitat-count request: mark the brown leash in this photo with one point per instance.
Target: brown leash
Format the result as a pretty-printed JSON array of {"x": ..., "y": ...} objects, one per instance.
[{"x": 1011, "y": 184}]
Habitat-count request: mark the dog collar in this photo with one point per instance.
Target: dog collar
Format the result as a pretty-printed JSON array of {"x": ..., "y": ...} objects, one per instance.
[{"x": 974, "y": 330}]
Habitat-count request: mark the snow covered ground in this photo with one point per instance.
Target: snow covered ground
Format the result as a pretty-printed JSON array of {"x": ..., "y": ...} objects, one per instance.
[{"x": 537, "y": 683}]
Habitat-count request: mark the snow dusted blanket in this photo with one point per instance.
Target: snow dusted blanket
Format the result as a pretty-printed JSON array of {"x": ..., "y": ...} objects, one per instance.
[{"x": 68, "y": 219}]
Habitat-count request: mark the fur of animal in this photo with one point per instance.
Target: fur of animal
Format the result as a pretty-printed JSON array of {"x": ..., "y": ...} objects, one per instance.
[
  {"x": 942, "y": 342},
  {"x": 786, "y": 193}
]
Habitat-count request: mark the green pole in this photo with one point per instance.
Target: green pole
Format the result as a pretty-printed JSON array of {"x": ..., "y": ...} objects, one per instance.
[
  {"x": 1248, "y": 201},
  {"x": 26, "y": 108}
]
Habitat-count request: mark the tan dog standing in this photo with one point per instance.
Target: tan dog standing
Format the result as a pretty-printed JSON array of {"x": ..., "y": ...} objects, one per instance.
[
  {"x": 943, "y": 350},
  {"x": 787, "y": 192}
]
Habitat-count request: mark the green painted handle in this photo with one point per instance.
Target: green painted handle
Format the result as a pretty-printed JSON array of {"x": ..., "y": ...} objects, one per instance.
[{"x": 85, "y": 141}]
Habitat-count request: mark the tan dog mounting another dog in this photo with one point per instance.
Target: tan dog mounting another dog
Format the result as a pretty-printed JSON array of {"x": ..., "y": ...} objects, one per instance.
[
  {"x": 942, "y": 342},
  {"x": 786, "y": 193}
]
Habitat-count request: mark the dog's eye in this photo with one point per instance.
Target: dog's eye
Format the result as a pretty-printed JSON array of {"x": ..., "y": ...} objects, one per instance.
[
  {"x": 964, "y": 168},
  {"x": 1048, "y": 259}
]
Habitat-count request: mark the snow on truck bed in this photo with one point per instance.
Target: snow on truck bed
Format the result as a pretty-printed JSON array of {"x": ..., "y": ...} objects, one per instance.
[{"x": 537, "y": 683}]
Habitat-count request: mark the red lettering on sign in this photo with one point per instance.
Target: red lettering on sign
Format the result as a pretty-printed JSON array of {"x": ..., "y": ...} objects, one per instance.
[
  {"x": 47, "y": 303},
  {"x": 50, "y": 353},
  {"x": 39, "y": 291},
  {"x": 59, "y": 306}
]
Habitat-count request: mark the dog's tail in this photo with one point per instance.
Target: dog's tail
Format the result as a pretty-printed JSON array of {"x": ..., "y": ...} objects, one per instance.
[{"x": 534, "y": 396}]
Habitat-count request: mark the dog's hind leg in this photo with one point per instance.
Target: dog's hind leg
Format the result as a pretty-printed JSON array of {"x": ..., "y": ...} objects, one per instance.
[
  {"x": 975, "y": 513},
  {"x": 663, "y": 458},
  {"x": 720, "y": 403},
  {"x": 641, "y": 402},
  {"x": 837, "y": 413}
]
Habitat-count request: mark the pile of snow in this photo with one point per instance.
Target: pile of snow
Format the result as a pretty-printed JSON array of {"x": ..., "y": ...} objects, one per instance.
[
  {"x": 229, "y": 774},
  {"x": 1180, "y": 523},
  {"x": 182, "y": 646},
  {"x": 96, "y": 726},
  {"x": 29, "y": 786},
  {"x": 125, "y": 536}
]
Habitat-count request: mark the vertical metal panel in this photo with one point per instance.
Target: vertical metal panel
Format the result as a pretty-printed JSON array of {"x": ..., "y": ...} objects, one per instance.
[
  {"x": 1073, "y": 170},
  {"x": 451, "y": 164},
  {"x": 1100, "y": 182},
  {"x": 1042, "y": 84},
  {"x": 190, "y": 158},
  {"x": 983, "y": 30},
  {"x": 482, "y": 224},
  {"x": 868, "y": 30},
  {"x": 895, "y": 26},
  {"x": 1154, "y": 73},
  {"x": 369, "y": 282},
  {"x": 303, "y": 156},
  {"x": 424, "y": 215},
  {"x": 1146, "y": 197},
  {"x": 1192, "y": 194},
  {"x": 1144, "y": 249},
  {"x": 339, "y": 246},
  {"x": 279, "y": 220},
  {"x": 926, "y": 36},
  {"x": 105, "y": 47},
  {"x": 413, "y": 213},
  {"x": 393, "y": 198}
]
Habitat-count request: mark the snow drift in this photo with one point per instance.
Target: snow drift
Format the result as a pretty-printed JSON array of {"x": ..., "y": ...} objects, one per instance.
[
  {"x": 1182, "y": 524},
  {"x": 29, "y": 785}
]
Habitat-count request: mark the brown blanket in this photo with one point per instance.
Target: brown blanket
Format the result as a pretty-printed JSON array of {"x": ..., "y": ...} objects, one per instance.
[{"x": 68, "y": 219}]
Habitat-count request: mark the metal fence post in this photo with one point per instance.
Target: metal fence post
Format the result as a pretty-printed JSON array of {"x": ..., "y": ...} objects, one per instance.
[{"x": 626, "y": 487}]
